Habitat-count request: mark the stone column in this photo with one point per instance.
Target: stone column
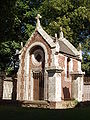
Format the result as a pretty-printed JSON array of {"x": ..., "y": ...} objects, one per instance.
[
  {"x": 80, "y": 87},
  {"x": 45, "y": 85},
  {"x": 54, "y": 84},
  {"x": 77, "y": 86},
  {"x": 18, "y": 86}
]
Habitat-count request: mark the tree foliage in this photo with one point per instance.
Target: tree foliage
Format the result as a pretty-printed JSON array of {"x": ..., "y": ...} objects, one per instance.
[
  {"x": 86, "y": 57},
  {"x": 17, "y": 22}
]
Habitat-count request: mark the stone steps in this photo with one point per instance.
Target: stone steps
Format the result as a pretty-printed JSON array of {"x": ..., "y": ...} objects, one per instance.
[
  {"x": 40, "y": 104},
  {"x": 45, "y": 104},
  {"x": 66, "y": 104},
  {"x": 35, "y": 104}
]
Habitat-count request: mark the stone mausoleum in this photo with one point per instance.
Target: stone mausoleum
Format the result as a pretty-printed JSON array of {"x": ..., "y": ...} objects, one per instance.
[
  {"x": 49, "y": 72},
  {"x": 50, "y": 69}
]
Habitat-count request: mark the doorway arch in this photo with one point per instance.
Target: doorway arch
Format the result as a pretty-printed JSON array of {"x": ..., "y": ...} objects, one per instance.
[{"x": 37, "y": 67}]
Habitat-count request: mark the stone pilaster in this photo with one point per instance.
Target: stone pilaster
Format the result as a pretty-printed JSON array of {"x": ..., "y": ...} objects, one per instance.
[
  {"x": 54, "y": 84},
  {"x": 77, "y": 86},
  {"x": 80, "y": 87}
]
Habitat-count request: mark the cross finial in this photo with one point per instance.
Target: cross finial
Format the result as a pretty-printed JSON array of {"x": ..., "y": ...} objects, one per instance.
[
  {"x": 56, "y": 35},
  {"x": 61, "y": 33},
  {"x": 38, "y": 20},
  {"x": 60, "y": 28},
  {"x": 80, "y": 46}
]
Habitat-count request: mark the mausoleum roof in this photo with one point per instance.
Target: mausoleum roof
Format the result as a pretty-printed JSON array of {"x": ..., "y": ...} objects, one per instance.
[{"x": 65, "y": 45}]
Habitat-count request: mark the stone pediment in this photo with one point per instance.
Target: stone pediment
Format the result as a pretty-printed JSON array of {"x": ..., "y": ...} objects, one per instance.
[
  {"x": 64, "y": 45},
  {"x": 46, "y": 37}
]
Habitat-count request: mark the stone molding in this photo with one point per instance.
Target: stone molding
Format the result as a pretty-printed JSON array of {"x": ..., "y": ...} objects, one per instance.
[{"x": 54, "y": 69}]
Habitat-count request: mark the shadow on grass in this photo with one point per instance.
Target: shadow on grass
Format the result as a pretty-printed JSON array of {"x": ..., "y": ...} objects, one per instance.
[
  {"x": 13, "y": 112},
  {"x": 83, "y": 104}
]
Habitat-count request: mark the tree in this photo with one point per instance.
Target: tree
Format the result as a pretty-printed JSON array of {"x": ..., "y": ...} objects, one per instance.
[
  {"x": 7, "y": 52},
  {"x": 18, "y": 22},
  {"x": 74, "y": 17},
  {"x": 86, "y": 57},
  {"x": 24, "y": 24},
  {"x": 6, "y": 19}
]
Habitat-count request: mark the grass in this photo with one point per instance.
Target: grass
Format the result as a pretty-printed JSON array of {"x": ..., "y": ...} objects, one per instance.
[{"x": 19, "y": 113}]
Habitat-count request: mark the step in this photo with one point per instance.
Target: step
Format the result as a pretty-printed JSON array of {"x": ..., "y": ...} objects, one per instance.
[
  {"x": 66, "y": 104},
  {"x": 35, "y": 104}
]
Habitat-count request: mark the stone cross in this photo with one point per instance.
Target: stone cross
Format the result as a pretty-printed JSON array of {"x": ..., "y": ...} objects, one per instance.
[
  {"x": 80, "y": 46},
  {"x": 80, "y": 51},
  {"x": 61, "y": 33},
  {"x": 38, "y": 20}
]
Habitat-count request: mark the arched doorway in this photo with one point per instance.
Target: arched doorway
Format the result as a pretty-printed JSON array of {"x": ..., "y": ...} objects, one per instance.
[{"x": 37, "y": 65}]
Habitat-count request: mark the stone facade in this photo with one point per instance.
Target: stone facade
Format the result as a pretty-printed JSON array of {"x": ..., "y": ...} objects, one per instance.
[
  {"x": 50, "y": 69},
  {"x": 86, "y": 96},
  {"x": 8, "y": 87}
]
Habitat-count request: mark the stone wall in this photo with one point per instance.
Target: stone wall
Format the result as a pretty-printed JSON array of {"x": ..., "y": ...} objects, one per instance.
[
  {"x": 86, "y": 96},
  {"x": 65, "y": 82},
  {"x": 86, "y": 90},
  {"x": 7, "y": 88}
]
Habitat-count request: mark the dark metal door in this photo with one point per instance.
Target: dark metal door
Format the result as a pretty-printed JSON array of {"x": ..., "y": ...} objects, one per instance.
[{"x": 38, "y": 89}]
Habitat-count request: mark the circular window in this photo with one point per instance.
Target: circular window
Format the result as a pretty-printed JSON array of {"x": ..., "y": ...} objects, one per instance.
[{"x": 37, "y": 57}]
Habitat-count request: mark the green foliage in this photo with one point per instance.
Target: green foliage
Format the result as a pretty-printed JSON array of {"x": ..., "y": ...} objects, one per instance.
[
  {"x": 71, "y": 16},
  {"x": 6, "y": 19},
  {"x": 7, "y": 50},
  {"x": 17, "y": 22},
  {"x": 74, "y": 17},
  {"x": 9, "y": 71},
  {"x": 86, "y": 57},
  {"x": 24, "y": 24}
]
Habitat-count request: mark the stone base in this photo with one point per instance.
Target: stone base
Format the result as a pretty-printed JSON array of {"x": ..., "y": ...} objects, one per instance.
[
  {"x": 35, "y": 104},
  {"x": 66, "y": 104},
  {"x": 49, "y": 105}
]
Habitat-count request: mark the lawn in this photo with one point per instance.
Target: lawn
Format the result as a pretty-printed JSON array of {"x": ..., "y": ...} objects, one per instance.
[{"x": 19, "y": 113}]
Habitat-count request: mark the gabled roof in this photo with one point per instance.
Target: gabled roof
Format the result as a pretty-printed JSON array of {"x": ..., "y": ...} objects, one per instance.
[
  {"x": 40, "y": 30},
  {"x": 45, "y": 36},
  {"x": 67, "y": 47},
  {"x": 48, "y": 39}
]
